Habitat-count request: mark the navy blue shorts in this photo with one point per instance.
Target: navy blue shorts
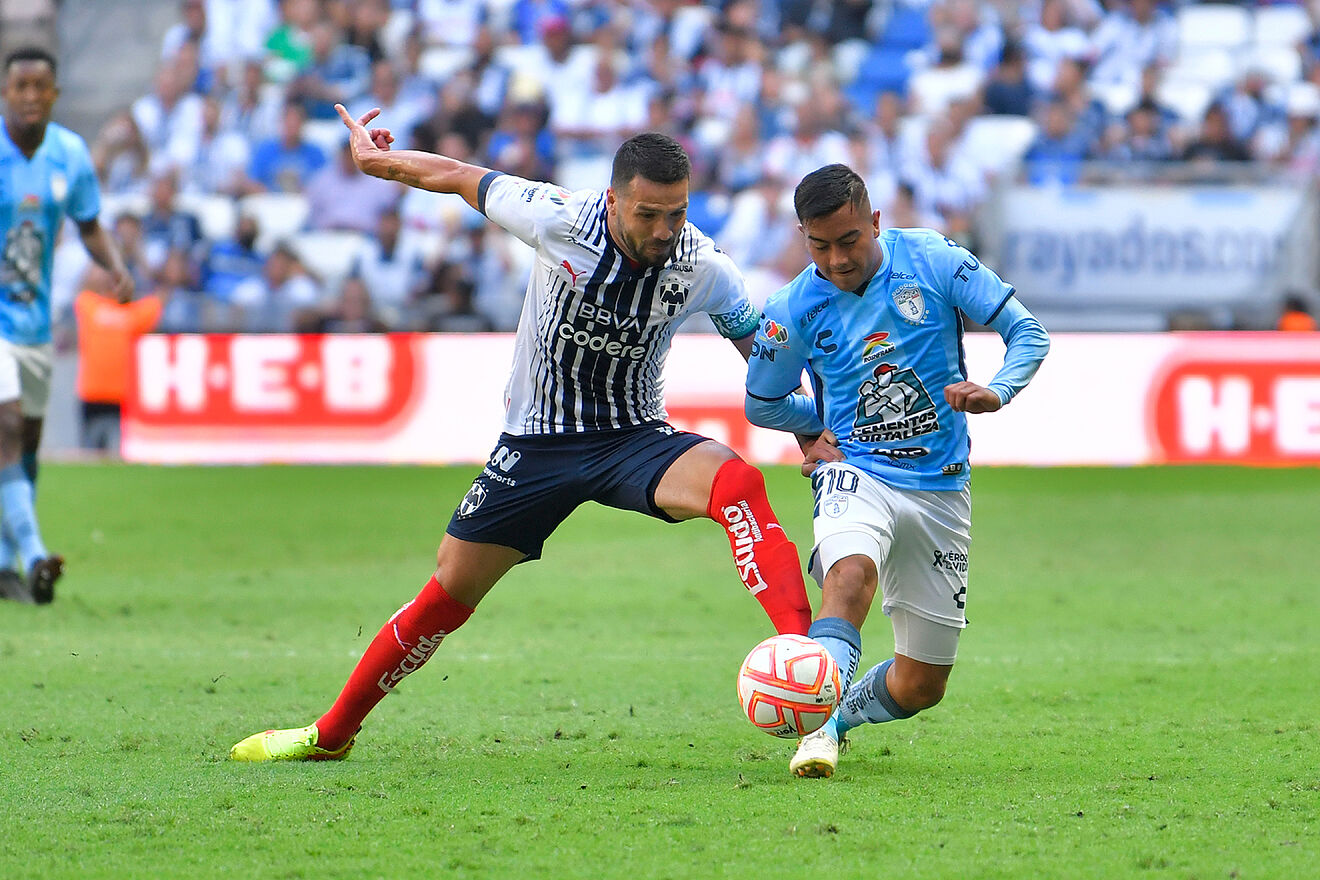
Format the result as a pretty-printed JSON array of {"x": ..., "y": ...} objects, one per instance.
[{"x": 532, "y": 483}]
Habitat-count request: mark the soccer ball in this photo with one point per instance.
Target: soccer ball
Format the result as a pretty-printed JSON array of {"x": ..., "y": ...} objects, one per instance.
[{"x": 788, "y": 685}]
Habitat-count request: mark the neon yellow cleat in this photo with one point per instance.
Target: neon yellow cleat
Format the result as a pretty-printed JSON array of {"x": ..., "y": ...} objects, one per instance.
[
  {"x": 817, "y": 756},
  {"x": 295, "y": 744}
]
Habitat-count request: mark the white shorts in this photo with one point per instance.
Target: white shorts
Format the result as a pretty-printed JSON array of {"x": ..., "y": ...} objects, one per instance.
[
  {"x": 25, "y": 375},
  {"x": 918, "y": 539}
]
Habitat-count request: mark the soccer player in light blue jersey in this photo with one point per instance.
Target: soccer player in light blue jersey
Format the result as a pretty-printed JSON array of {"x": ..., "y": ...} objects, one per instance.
[
  {"x": 46, "y": 174},
  {"x": 877, "y": 322}
]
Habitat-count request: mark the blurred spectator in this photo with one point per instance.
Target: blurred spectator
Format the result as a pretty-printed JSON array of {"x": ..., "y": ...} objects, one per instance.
[
  {"x": 392, "y": 266},
  {"x": 107, "y": 331},
  {"x": 341, "y": 197},
  {"x": 521, "y": 144},
  {"x": 741, "y": 162},
  {"x": 450, "y": 22},
  {"x": 948, "y": 77},
  {"x": 285, "y": 163},
  {"x": 170, "y": 117},
  {"x": 944, "y": 184},
  {"x": 528, "y": 16},
  {"x": 183, "y": 305},
  {"x": 1060, "y": 146},
  {"x": 730, "y": 76},
  {"x": 1070, "y": 86},
  {"x": 490, "y": 79},
  {"x": 127, "y": 231},
  {"x": 237, "y": 30},
  {"x": 1216, "y": 142},
  {"x": 166, "y": 228},
  {"x": 120, "y": 155},
  {"x": 451, "y": 307},
  {"x": 233, "y": 261},
  {"x": 976, "y": 26},
  {"x": 365, "y": 21},
  {"x": 190, "y": 29},
  {"x": 1049, "y": 41},
  {"x": 338, "y": 74},
  {"x": 1294, "y": 142},
  {"x": 1132, "y": 36},
  {"x": 1296, "y": 315},
  {"x": 1146, "y": 138},
  {"x": 593, "y": 122},
  {"x": 813, "y": 143},
  {"x": 220, "y": 162},
  {"x": 1007, "y": 91},
  {"x": 250, "y": 109},
  {"x": 1248, "y": 106},
  {"x": 351, "y": 312},
  {"x": 397, "y": 113},
  {"x": 289, "y": 47},
  {"x": 273, "y": 301}
]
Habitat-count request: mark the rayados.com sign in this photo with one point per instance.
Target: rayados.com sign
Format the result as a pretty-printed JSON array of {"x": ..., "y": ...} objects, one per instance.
[{"x": 1135, "y": 246}]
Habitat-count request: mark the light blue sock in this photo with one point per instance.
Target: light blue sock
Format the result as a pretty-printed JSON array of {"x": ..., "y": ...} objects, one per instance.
[
  {"x": 20, "y": 514},
  {"x": 868, "y": 702},
  {"x": 8, "y": 549},
  {"x": 844, "y": 643}
]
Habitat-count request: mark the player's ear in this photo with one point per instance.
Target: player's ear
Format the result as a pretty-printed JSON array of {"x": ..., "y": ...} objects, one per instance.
[{"x": 875, "y": 223}]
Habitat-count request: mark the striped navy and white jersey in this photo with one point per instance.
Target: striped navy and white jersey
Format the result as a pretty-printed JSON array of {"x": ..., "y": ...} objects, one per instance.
[{"x": 595, "y": 328}]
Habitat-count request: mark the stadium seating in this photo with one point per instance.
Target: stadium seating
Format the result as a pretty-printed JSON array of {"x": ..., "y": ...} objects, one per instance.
[
  {"x": 1283, "y": 25},
  {"x": 1213, "y": 26},
  {"x": 278, "y": 216},
  {"x": 328, "y": 254},
  {"x": 217, "y": 214}
]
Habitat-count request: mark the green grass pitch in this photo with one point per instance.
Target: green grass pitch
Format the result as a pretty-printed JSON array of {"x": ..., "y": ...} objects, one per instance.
[{"x": 1136, "y": 696}]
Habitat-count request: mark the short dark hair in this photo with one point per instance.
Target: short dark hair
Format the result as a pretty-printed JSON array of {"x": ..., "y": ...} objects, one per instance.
[
  {"x": 30, "y": 53},
  {"x": 826, "y": 190},
  {"x": 656, "y": 157}
]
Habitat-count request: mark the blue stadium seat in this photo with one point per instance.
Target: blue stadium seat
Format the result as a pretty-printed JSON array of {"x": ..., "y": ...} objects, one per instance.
[
  {"x": 884, "y": 70},
  {"x": 906, "y": 29}
]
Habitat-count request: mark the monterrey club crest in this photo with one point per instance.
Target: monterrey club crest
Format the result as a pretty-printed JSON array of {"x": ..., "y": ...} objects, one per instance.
[
  {"x": 910, "y": 303},
  {"x": 472, "y": 500},
  {"x": 673, "y": 294}
]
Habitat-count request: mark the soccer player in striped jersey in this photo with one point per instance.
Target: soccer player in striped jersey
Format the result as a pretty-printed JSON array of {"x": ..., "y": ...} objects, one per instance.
[
  {"x": 877, "y": 321},
  {"x": 46, "y": 174},
  {"x": 616, "y": 272}
]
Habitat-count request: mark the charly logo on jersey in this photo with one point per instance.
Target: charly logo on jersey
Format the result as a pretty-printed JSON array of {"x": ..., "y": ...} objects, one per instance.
[
  {"x": 893, "y": 405},
  {"x": 876, "y": 345},
  {"x": 473, "y": 499},
  {"x": 910, "y": 302},
  {"x": 673, "y": 294}
]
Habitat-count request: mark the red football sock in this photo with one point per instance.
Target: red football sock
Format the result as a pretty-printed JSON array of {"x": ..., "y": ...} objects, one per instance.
[
  {"x": 403, "y": 644},
  {"x": 767, "y": 561}
]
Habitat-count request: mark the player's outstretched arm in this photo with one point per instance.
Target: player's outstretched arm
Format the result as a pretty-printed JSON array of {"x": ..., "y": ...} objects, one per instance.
[{"x": 416, "y": 168}]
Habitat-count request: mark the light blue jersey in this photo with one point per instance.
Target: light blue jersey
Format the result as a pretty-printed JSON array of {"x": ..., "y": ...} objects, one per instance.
[
  {"x": 880, "y": 360},
  {"x": 35, "y": 196}
]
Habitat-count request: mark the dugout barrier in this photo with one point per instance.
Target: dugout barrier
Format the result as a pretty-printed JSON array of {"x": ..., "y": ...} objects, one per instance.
[{"x": 1099, "y": 399}]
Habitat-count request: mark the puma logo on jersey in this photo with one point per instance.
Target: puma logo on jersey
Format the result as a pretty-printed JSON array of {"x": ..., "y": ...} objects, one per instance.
[{"x": 569, "y": 268}]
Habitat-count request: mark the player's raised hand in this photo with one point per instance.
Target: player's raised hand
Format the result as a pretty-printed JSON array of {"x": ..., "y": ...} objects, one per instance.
[
  {"x": 816, "y": 451},
  {"x": 362, "y": 140},
  {"x": 972, "y": 398}
]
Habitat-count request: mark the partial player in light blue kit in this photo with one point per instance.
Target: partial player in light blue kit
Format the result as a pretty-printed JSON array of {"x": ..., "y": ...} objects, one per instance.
[
  {"x": 46, "y": 174},
  {"x": 877, "y": 323}
]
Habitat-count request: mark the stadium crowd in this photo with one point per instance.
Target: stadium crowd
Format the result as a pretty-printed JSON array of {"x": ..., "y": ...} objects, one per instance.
[{"x": 231, "y": 190}]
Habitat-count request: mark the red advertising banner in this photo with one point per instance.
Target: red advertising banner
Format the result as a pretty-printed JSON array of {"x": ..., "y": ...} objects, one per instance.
[{"x": 1248, "y": 398}]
